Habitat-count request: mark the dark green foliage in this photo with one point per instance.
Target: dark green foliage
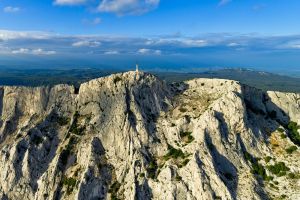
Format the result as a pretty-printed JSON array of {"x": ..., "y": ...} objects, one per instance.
[
  {"x": 114, "y": 188},
  {"x": 152, "y": 169},
  {"x": 293, "y": 176},
  {"x": 63, "y": 121},
  {"x": 174, "y": 153},
  {"x": 281, "y": 130},
  {"x": 247, "y": 156},
  {"x": 181, "y": 109},
  {"x": 142, "y": 175},
  {"x": 267, "y": 159},
  {"x": 259, "y": 169},
  {"x": 293, "y": 133},
  {"x": 178, "y": 178},
  {"x": 291, "y": 149},
  {"x": 185, "y": 162},
  {"x": 278, "y": 169},
  {"x": 283, "y": 136},
  {"x": 70, "y": 183}
]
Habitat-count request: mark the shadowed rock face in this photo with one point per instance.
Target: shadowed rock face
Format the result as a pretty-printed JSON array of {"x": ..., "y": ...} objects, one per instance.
[{"x": 130, "y": 136}]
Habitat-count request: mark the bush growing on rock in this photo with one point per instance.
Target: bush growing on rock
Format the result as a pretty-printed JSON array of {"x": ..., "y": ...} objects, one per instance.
[
  {"x": 294, "y": 134},
  {"x": 291, "y": 149}
]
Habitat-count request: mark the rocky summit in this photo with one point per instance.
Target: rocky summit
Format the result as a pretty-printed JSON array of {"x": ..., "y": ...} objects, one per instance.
[{"x": 133, "y": 136}]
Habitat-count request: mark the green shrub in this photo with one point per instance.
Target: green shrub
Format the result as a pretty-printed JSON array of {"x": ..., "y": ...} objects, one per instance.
[
  {"x": 291, "y": 149},
  {"x": 70, "y": 183},
  {"x": 174, "y": 153},
  {"x": 281, "y": 130},
  {"x": 278, "y": 169},
  {"x": 259, "y": 169},
  {"x": 181, "y": 109},
  {"x": 63, "y": 121},
  {"x": 293, "y": 133},
  {"x": 178, "y": 178},
  {"x": 283, "y": 136},
  {"x": 114, "y": 188},
  {"x": 151, "y": 169},
  {"x": 185, "y": 162},
  {"x": 293, "y": 176},
  {"x": 267, "y": 159}
]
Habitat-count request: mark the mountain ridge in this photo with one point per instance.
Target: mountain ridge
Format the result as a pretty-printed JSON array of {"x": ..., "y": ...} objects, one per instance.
[{"x": 133, "y": 136}]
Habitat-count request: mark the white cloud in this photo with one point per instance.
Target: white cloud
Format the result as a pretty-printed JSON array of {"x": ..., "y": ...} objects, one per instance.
[
  {"x": 233, "y": 44},
  {"x": 42, "y": 52},
  {"x": 128, "y": 7},
  {"x": 12, "y": 35},
  {"x": 291, "y": 45},
  {"x": 32, "y": 51},
  {"x": 69, "y": 2},
  {"x": 184, "y": 42},
  {"x": 86, "y": 43},
  {"x": 11, "y": 9},
  {"x": 112, "y": 52},
  {"x": 149, "y": 51},
  {"x": 20, "y": 51}
]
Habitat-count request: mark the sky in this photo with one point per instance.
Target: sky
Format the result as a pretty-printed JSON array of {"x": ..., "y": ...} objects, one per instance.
[{"x": 162, "y": 34}]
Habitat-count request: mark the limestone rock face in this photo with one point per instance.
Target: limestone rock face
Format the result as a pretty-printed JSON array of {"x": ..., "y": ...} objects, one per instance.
[{"x": 132, "y": 136}]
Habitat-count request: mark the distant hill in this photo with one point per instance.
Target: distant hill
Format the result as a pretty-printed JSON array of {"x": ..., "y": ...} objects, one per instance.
[
  {"x": 38, "y": 77},
  {"x": 261, "y": 80}
]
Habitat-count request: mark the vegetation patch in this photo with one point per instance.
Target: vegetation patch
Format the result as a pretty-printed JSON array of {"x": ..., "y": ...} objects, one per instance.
[
  {"x": 293, "y": 132},
  {"x": 113, "y": 190},
  {"x": 151, "y": 169},
  {"x": 291, "y": 149},
  {"x": 187, "y": 136},
  {"x": 294, "y": 176},
  {"x": 63, "y": 121},
  {"x": 181, "y": 109},
  {"x": 178, "y": 178},
  {"x": 278, "y": 169},
  {"x": 70, "y": 183},
  {"x": 174, "y": 153},
  {"x": 267, "y": 159},
  {"x": 281, "y": 130}
]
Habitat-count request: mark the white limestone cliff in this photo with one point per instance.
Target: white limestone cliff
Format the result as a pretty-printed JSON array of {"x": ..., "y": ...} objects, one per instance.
[{"x": 136, "y": 137}]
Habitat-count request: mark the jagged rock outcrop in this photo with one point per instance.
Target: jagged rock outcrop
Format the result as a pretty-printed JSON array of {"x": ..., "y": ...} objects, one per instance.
[{"x": 132, "y": 136}]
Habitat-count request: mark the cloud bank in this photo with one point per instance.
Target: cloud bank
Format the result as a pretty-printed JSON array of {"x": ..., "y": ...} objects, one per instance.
[
  {"x": 118, "y": 7},
  {"x": 208, "y": 49}
]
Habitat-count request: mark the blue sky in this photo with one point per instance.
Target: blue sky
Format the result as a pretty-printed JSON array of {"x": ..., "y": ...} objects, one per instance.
[{"x": 262, "y": 34}]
